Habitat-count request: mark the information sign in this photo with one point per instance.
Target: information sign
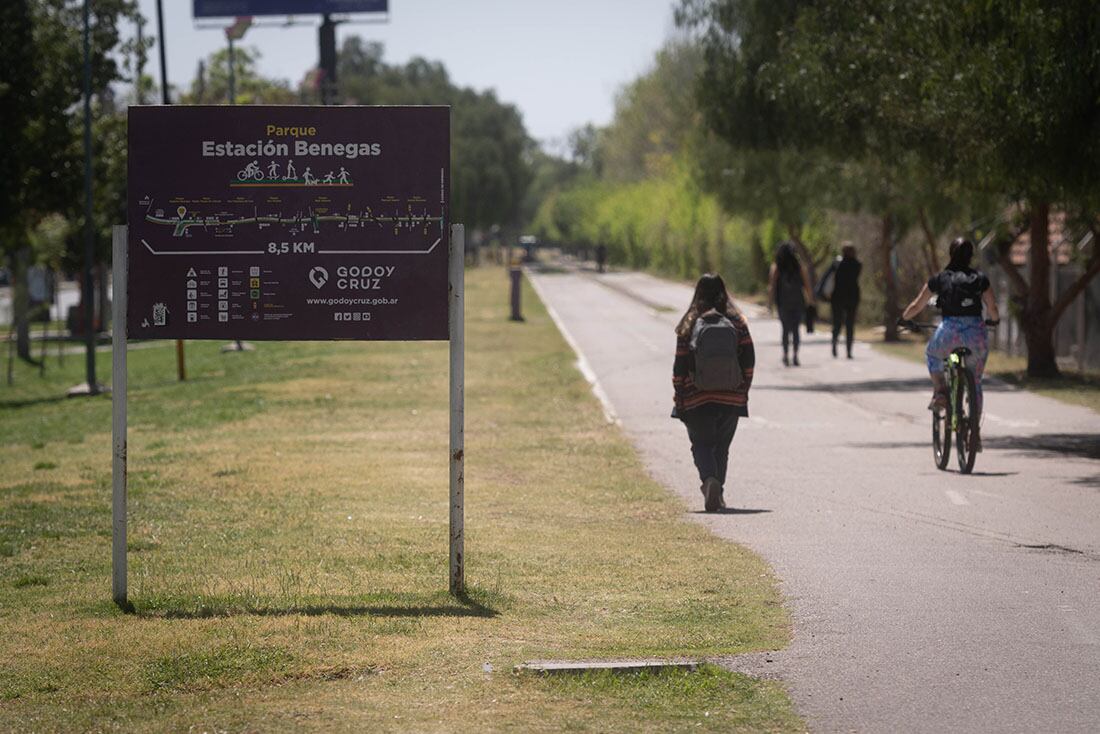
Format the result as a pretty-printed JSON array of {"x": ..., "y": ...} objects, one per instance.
[
  {"x": 288, "y": 223},
  {"x": 232, "y": 8}
]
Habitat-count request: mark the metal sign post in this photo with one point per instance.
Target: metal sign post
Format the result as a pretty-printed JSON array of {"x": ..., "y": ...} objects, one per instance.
[
  {"x": 118, "y": 418},
  {"x": 456, "y": 331}
]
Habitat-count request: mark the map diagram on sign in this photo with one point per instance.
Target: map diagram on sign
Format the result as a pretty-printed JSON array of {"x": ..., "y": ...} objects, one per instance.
[{"x": 400, "y": 220}]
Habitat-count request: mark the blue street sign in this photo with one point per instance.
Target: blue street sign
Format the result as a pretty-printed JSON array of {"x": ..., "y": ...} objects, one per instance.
[{"x": 232, "y": 8}]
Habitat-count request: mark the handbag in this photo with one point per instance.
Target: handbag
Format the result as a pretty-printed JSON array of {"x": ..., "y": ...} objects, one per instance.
[{"x": 827, "y": 284}]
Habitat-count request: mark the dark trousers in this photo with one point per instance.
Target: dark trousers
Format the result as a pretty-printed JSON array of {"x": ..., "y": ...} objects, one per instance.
[
  {"x": 791, "y": 319},
  {"x": 710, "y": 428},
  {"x": 844, "y": 313}
]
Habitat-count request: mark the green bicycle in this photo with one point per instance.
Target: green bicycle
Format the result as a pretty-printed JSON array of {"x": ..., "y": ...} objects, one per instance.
[{"x": 963, "y": 415}]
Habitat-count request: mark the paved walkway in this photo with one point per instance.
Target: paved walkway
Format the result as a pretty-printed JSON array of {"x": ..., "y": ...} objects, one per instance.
[{"x": 922, "y": 600}]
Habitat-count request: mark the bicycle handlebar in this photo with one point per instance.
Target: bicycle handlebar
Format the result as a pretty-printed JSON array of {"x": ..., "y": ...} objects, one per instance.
[{"x": 916, "y": 326}]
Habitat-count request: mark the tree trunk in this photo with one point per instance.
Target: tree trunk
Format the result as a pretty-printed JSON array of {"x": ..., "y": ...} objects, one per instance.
[
  {"x": 1037, "y": 321},
  {"x": 759, "y": 258},
  {"x": 930, "y": 239},
  {"x": 890, "y": 310},
  {"x": 21, "y": 311}
]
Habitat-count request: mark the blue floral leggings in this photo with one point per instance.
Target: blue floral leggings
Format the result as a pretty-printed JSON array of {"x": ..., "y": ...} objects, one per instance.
[{"x": 959, "y": 331}]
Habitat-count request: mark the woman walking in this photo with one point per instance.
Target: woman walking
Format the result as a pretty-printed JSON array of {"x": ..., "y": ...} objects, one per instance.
[
  {"x": 789, "y": 290},
  {"x": 711, "y": 377}
]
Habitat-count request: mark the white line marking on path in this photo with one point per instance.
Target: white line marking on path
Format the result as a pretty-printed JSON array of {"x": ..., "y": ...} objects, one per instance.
[
  {"x": 582, "y": 364},
  {"x": 983, "y": 493},
  {"x": 955, "y": 497},
  {"x": 1010, "y": 423}
]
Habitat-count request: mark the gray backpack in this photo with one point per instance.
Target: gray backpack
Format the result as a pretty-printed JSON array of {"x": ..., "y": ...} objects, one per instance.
[{"x": 714, "y": 342}]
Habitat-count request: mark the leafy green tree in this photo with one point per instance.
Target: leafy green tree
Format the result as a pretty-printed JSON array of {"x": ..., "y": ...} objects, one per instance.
[
  {"x": 1032, "y": 130},
  {"x": 491, "y": 148},
  {"x": 1002, "y": 99},
  {"x": 17, "y": 81},
  {"x": 764, "y": 164},
  {"x": 211, "y": 82},
  {"x": 992, "y": 102},
  {"x": 655, "y": 116},
  {"x": 40, "y": 94}
]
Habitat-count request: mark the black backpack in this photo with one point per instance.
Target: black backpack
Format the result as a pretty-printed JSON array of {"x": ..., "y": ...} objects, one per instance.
[{"x": 714, "y": 342}]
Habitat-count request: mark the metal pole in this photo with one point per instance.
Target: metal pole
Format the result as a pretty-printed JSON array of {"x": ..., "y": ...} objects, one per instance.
[
  {"x": 456, "y": 333},
  {"x": 515, "y": 275},
  {"x": 163, "y": 64},
  {"x": 118, "y": 418},
  {"x": 89, "y": 235},
  {"x": 181, "y": 367},
  {"x": 232, "y": 75},
  {"x": 326, "y": 37},
  {"x": 140, "y": 59}
]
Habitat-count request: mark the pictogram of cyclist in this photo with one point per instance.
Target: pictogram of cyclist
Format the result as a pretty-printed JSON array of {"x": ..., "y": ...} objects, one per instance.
[{"x": 251, "y": 171}]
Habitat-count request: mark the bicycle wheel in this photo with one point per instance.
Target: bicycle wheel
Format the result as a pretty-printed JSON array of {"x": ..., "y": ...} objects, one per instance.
[
  {"x": 941, "y": 436},
  {"x": 966, "y": 427}
]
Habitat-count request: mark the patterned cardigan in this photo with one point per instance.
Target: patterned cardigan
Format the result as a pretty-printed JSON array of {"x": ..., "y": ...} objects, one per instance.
[{"x": 686, "y": 396}]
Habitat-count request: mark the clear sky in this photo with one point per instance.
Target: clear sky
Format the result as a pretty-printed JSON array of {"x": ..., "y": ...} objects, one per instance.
[{"x": 559, "y": 61}]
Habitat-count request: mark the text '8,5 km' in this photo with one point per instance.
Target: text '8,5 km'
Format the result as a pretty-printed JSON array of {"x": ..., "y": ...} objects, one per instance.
[{"x": 286, "y": 248}]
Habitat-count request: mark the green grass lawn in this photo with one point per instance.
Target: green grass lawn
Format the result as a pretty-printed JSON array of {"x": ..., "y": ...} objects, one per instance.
[
  {"x": 288, "y": 549},
  {"x": 1072, "y": 387}
]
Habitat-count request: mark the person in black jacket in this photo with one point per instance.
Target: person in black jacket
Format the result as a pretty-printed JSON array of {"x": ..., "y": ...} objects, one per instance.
[{"x": 845, "y": 296}]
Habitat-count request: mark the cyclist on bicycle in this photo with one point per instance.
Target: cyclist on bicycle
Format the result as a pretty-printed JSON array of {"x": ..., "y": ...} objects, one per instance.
[{"x": 960, "y": 292}]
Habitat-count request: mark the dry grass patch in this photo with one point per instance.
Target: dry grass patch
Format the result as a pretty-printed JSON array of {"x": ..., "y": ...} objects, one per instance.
[{"x": 288, "y": 539}]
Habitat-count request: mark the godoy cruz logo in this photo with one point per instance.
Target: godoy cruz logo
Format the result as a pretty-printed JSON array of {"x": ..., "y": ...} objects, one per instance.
[{"x": 318, "y": 276}]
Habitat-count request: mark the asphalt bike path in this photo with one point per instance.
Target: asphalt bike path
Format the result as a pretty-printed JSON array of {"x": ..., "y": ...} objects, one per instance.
[{"x": 922, "y": 600}]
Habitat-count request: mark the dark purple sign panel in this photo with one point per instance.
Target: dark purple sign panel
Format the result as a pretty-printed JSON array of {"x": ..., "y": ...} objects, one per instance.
[
  {"x": 231, "y": 8},
  {"x": 288, "y": 222}
]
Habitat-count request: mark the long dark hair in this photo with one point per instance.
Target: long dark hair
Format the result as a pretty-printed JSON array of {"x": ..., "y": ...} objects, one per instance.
[
  {"x": 961, "y": 251},
  {"x": 786, "y": 261},
  {"x": 710, "y": 293}
]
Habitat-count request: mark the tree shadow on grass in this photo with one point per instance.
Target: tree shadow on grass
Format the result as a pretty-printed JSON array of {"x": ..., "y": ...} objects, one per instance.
[
  {"x": 1042, "y": 445},
  {"x": 32, "y": 402},
  {"x": 208, "y": 608},
  {"x": 908, "y": 384},
  {"x": 1049, "y": 445}
]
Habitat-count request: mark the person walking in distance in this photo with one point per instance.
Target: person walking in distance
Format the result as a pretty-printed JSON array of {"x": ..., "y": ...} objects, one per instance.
[
  {"x": 711, "y": 377},
  {"x": 601, "y": 257},
  {"x": 789, "y": 290},
  {"x": 845, "y": 297}
]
